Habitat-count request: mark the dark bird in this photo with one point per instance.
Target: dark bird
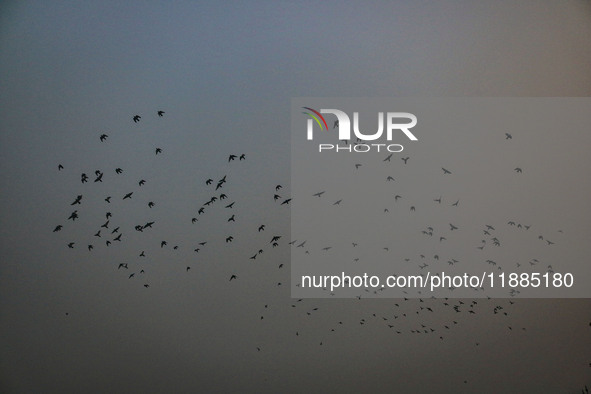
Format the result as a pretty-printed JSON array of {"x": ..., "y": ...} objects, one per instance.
[
  {"x": 389, "y": 178},
  {"x": 74, "y": 216},
  {"x": 90, "y": 247},
  {"x": 388, "y": 157},
  {"x": 276, "y": 197},
  {"x": 357, "y": 166},
  {"x": 71, "y": 245},
  {"x": 128, "y": 195},
  {"x": 77, "y": 200},
  {"x": 209, "y": 181},
  {"x": 106, "y": 224},
  {"x": 108, "y": 199},
  {"x": 233, "y": 277},
  {"x": 231, "y": 219},
  {"x": 232, "y": 157},
  {"x": 98, "y": 234},
  {"x": 84, "y": 178},
  {"x": 455, "y": 204},
  {"x": 124, "y": 265},
  {"x": 160, "y": 113},
  {"x": 118, "y": 238},
  {"x": 275, "y": 238},
  {"x": 158, "y": 150},
  {"x": 150, "y": 204},
  {"x": 445, "y": 171},
  {"x": 118, "y": 170},
  {"x": 518, "y": 170},
  {"x": 136, "y": 118},
  {"x": 261, "y": 227},
  {"x": 337, "y": 202},
  {"x": 278, "y": 187},
  {"x": 103, "y": 137},
  {"x": 57, "y": 228},
  {"x": 229, "y": 239},
  {"x": 230, "y": 205},
  {"x": 142, "y": 182},
  {"x": 242, "y": 157},
  {"x": 319, "y": 194},
  {"x": 193, "y": 220},
  {"x": 405, "y": 159},
  {"x": 163, "y": 243},
  {"x": 99, "y": 177},
  {"x": 286, "y": 201},
  {"x": 60, "y": 167},
  {"x": 508, "y": 136}
]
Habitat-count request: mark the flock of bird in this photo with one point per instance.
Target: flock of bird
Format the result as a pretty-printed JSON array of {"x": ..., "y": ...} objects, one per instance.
[{"x": 410, "y": 315}]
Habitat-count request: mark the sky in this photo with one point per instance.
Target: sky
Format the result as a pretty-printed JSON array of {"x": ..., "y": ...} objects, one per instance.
[{"x": 224, "y": 74}]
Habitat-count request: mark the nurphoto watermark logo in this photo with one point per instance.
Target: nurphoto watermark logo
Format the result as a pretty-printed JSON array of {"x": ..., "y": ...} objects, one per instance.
[{"x": 343, "y": 126}]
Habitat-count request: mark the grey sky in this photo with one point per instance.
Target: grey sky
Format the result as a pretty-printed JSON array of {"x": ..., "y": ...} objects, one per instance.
[{"x": 225, "y": 74}]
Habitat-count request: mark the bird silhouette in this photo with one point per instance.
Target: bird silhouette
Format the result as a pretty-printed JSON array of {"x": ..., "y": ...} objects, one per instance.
[
  {"x": 136, "y": 118},
  {"x": 103, "y": 137},
  {"x": 446, "y": 171},
  {"x": 161, "y": 113}
]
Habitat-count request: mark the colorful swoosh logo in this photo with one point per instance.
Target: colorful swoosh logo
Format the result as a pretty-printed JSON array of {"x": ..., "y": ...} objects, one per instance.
[{"x": 316, "y": 117}]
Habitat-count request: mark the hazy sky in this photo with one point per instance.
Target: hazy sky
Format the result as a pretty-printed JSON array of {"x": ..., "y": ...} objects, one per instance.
[{"x": 225, "y": 74}]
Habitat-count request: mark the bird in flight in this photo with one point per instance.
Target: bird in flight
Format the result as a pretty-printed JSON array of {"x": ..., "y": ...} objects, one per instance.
[
  {"x": 242, "y": 157},
  {"x": 232, "y": 157},
  {"x": 286, "y": 201},
  {"x": 518, "y": 170},
  {"x": 150, "y": 204},
  {"x": 60, "y": 167},
  {"x": 77, "y": 201},
  {"x": 57, "y": 228},
  {"x": 118, "y": 170},
  {"x": 160, "y": 113},
  {"x": 278, "y": 187},
  {"x": 103, "y": 137},
  {"x": 142, "y": 182},
  {"x": 158, "y": 150},
  {"x": 319, "y": 194},
  {"x": 136, "y": 118},
  {"x": 508, "y": 136},
  {"x": 233, "y": 277},
  {"x": 388, "y": 157},
  {"x": 261, "y": 227},
  {"x": 128, "y": 195},
  {"x": 405, "y": 159},
  {"x": 446, "y": 171}
]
